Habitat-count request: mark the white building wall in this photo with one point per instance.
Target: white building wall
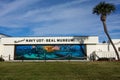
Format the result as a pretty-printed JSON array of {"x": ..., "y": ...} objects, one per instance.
[
  {"x": 116, "y": 43},
  {"x": 90, "y": 49},
  {"x": 8, "y": 52},
  {"x": 102, "y": 50},
  {"x": 96, "y": 47},
  {"x": 110, "y": 48},
  {"x": 1, "y": 50},
  {"x": 9, "y": 42},
  {"x": 102, "y": 47}
]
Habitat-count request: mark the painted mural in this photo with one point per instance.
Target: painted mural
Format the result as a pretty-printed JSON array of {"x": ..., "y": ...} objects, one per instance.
[{"x": 49, "y": 52}]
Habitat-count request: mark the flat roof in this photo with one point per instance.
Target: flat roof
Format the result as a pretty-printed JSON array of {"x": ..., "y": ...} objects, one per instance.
[{"x": 51, "y": 40}]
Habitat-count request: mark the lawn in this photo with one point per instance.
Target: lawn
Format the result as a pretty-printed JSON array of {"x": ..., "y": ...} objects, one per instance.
[{"x": 60, "y": 71}]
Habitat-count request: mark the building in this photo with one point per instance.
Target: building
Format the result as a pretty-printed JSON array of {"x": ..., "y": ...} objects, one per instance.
[{"x": 56, "y": 48}]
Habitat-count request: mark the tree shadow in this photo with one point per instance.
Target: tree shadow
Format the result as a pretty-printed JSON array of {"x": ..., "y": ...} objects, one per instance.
[{"x": 81, "y": 40}]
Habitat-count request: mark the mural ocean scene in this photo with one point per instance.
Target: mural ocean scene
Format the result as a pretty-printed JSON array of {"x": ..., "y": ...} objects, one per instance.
[{"x": 49, "y": 52}]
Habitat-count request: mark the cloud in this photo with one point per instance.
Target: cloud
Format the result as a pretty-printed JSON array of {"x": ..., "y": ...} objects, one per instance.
[
  {"x": 67, "y": 20},
  {"x": 73, "y": 17},
  {"x": 116, "y": 2},
  {"x": 15, "y": 5},
  {"x": 10, "y": 12},
  {"x": 11, "y": 18},
  {"x": 56, "y": 12}
]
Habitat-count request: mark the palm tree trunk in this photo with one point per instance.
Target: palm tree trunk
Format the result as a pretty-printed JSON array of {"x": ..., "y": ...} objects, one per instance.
[{"x": 106, "y": 32}]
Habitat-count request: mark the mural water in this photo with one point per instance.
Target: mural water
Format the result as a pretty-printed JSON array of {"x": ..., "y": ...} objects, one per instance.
[{"x": 49, "y": 52}]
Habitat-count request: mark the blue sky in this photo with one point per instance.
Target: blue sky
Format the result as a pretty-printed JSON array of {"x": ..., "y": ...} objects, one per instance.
[{"x": 56, "y": 18}]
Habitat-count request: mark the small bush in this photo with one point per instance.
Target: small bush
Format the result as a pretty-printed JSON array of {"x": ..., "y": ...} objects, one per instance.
[
  {"x": 103, "y": 59},
  {"x": 106, "y": 59},
  {"x": 1, "y": 59}
]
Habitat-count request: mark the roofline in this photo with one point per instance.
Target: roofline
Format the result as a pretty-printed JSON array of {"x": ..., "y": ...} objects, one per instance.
[
  {"x": 5, "y": 35},
  {"x": 57, "y": 36}
]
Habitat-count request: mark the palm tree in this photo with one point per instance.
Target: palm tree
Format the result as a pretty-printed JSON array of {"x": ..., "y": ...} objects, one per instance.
[{"x": 104, "y": 9}]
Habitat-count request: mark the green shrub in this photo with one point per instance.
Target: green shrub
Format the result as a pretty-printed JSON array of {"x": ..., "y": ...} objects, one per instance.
[{"x": 1, "y": 59}]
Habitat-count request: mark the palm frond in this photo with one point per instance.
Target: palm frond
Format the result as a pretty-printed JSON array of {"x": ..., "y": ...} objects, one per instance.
[{"x": 103, "y": 8}]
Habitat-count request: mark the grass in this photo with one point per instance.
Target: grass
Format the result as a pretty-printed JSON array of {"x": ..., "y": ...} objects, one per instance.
[{"x": 60, "y": 71}]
